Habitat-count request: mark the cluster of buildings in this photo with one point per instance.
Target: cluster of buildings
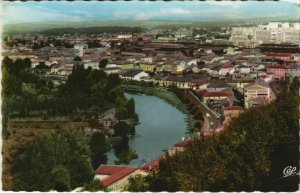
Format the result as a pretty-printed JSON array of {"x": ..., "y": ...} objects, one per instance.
[
  {"x": 228, "y": 75},
  {"x": 273, "y": 32}
]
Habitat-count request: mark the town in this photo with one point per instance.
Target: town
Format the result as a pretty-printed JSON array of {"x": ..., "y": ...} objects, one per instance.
[{"x": 221, "y": 73}]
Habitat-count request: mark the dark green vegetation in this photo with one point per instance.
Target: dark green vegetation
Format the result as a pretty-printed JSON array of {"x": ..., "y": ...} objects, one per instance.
[
  {"x": 94, "y": 186},
  {"x": 250, "y": 155},
  {"x": 86, "y": 93},
  {"x": 60, "y": 162},
  {"x": 122, "y": 150},
  {"x": 138, "y": 183},
  {"x": 98, "y": 146},
  {"x": 30, "y": 164}
]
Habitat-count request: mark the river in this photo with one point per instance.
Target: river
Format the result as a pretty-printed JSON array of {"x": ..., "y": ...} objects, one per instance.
[{"x": 161, "y": 126}]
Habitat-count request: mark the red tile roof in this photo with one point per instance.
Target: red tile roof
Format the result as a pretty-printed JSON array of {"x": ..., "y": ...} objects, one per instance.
[
  {"x": 153, "y": 164},
  {"x": 242, "y": 58},
  {"x": 233, "y": 108},
  {"x": 115, "y": 173},
  {"x": 184, "y": 143},
  {"x": 278, "y": 54},
  {"x": 291, "y": 62},
  {"x": 215, "y": 94},
  {"x": 228, "y": 66},
  {"x": 283, "y": 67}
]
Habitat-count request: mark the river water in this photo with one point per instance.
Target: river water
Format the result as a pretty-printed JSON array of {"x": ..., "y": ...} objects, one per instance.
[{"x": 161, "y": 126}]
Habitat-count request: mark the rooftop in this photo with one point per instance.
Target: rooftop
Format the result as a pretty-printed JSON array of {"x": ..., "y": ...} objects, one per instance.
[
  {"x": 115, "y": 173},
  {"x": 238, "y": 108}
]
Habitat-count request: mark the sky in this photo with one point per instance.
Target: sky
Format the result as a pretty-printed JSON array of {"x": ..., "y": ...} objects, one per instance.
[{"x": 27, "y": 12}]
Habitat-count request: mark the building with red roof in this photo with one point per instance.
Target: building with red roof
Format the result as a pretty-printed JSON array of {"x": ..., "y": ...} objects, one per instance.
[
  {"x": 180, "y": 147},
  {"x": 115, "y": 177},
  {"x": 152, "y": 165},
  {"x": 214, "y": 96},
  {"x": 282, "y": 56},
  {"x": 226, "y": 69},
  {"x": 231, "y": 111},
  {"x": 278, "y": 71}
]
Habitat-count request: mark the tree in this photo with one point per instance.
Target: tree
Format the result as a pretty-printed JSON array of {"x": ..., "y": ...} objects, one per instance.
[
  {"x": 42, "y": 65},
  {"x": 7, "y": 63},
  {"x": 94, "y": 186},
  {"x": 122, "y": 129},
  {"x": 61, "y": 178},
  {"x": 27, "y": 63},
  {"x": 98, "y": 144},
  {"x": 59, "y": 161},
  {"x": 81, "y": 171},
  {"x": 77, "y": 58},
  {"x": 126, "y": 156},
  {"x": 131, "y": 108},
  {"x": 103, "y": 63},
  {"x": 138, "y": 183},
  {"x": 250, "y": 154}
]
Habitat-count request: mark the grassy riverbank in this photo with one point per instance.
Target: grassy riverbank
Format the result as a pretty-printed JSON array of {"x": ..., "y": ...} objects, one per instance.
[
  {"x": 163, "y": 93},
  {"x": 160, "y": 92}
]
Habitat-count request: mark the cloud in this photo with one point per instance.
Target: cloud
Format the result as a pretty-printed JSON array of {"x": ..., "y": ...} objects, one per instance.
[
  {"x": 291, "y": 1},
  {"x": 177, "y": 13},
  {"x": 230, "y": 4},
  {"x": 22, "y": 12}
]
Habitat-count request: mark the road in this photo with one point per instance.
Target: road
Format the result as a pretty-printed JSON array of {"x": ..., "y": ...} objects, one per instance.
[{"x": 213, "y": 118}]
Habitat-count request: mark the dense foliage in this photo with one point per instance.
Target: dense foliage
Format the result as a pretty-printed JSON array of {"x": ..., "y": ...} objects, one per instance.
[
  {"x": 138, "y": 183},
  {"x": 86, "y": 93},
  {"x": 250, "y": 155},
  {"x": 94, "y": 186},
  {"x": 60, "y": 162}
]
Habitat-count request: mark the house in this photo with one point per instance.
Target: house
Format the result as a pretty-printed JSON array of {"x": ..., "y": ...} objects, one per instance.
[
  {"x": 124, "y": 36},
  {"x": 266, "y": 77},
  {"x": 282, "y": 56},
  {"x": 134, "y": 75},
  {"x": 231, "y": 111},
  {"x": 217, "y": 86},
  {"x": 256, "y": 94},
  {"x": 152, "y": 165},
  {"x": 278, "y": 71},
  {"x": 226, "y": 69},
  {"x": 115, "y": 177},
  {"x": 294, "y": 70},
  {"x": 215, "y": 96},
  {"x": 112, "y": 70},
  {"x": 180, "y": 147},
  {"x": 92, "y": 64},
  {"x": 244, "y": 69},
  {"x": 54, "y": 68},
  {"x": 108, "y": 119}
]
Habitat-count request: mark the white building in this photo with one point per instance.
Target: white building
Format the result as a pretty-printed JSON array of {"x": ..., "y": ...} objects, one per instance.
[
  {"x": 273, "y": 32},
  {"x": 124, "y": 36},
  {"x": 80, "y": 49}
]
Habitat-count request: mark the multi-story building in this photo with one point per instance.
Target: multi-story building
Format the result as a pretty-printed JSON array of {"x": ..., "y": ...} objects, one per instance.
[
  {"x": 273, "y": 32},
  {"x": 257, "y": 94}
]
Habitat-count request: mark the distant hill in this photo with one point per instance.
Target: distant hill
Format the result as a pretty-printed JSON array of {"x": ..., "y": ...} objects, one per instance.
[{"x": 22, "y": 28}]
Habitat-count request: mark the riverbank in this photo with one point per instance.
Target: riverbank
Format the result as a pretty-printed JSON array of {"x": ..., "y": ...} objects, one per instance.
[
  {"x": 160, "y": 92},
  {"x": 163, "y": 93},
  {"x": 161, "y": 126}
]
